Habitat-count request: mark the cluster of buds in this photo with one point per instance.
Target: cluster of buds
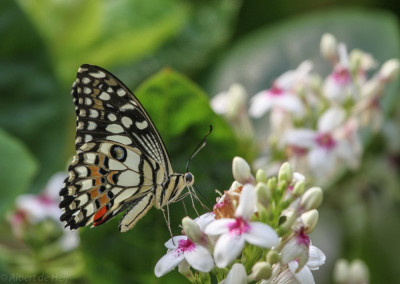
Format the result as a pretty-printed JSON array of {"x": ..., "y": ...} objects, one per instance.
[
  {"x": 35, "y": 226},
  {"x": 315, "y": 122},
  {"x": 258, "y": 231}
]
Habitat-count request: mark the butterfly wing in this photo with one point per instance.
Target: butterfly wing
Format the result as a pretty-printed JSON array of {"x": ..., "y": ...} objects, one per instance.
[{"x": 121, "y": 160}]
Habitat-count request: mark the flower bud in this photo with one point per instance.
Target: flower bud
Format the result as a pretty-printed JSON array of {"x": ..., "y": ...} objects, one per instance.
[
  {"x": 341, "y": 272},
  {"x": 359, "y": 271},
  {"x": 329, "y": 47},
  {"x": 261, "y": 270},
  {"x": 310, "y": 220},
  {"x": 241, "y": 170},
  {"x": 312, "y": 198},
  {"x": 298, "y": 188},
  {"x": 261, "y": 176},
  {"x": 272, "y": 256},
  {"x": 285, "y": 173},
  {"x": 263, "y": 194},
  {"x": 390, "y": 70},
  {"x": 272, "y": 184},
  {"x": 191, "y": 229}
]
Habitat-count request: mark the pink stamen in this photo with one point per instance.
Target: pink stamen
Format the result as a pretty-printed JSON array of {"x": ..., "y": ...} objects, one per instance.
[
  {"x": 239, "y": 226},
  {"x": 275, "y": 91},
  {"x": 303, "y": 238},
  {"x": 185, "y": 245},
  {"x": 45, "y": 200},
  {"x": 341, "y": 75},
  {"x": 325, "y": 140}
]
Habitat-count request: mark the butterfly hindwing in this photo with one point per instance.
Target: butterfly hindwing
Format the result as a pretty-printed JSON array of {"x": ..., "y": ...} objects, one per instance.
[{"x": 104, "y": 179}]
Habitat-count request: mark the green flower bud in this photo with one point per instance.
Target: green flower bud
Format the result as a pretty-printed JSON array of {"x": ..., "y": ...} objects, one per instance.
[
  {"x": 310, "y": 220},
  {"x": 285, "y": 173},
  {"x": 312, "y": 198},
  {"x": 273, "y": 256},
  {"x": 261, "y": 270},
  {"x": 298, "y": 188},
  {"x": 191, "y": 229},
  {"x": 261, "y": 176},
  {"x": 263, "y": 194},
  {"x": 329, "y": 47},
  {"x": 272, "y": 184}
]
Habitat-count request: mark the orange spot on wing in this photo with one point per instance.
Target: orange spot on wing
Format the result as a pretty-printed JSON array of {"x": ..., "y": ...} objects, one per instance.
[
  {"x": 97, "y": 217},
  {"x": 110, "y": 176},
  {"x": 95, "y": 171}
]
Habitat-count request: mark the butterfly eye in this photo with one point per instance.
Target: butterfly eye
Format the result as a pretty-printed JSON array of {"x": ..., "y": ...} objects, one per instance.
[
  {"x": 118, "y": 153},
  {"x": 189, "y": 179}
]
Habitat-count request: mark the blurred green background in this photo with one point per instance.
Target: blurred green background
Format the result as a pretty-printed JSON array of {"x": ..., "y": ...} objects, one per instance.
[{"x": 175, "y": 55}]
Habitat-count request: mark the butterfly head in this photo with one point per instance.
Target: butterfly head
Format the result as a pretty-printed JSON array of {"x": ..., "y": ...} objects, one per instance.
[{"x": 189, "y": 179}]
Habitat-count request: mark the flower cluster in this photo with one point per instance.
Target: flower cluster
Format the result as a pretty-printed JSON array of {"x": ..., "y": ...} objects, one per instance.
[
  {"x": 315, "y": 122},
  {"x": 38, "y": 243},
  {"x": 258, "y": 231}
]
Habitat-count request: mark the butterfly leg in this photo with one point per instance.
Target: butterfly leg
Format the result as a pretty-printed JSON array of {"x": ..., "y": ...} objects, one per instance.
[{"x": 168, "y": 221}]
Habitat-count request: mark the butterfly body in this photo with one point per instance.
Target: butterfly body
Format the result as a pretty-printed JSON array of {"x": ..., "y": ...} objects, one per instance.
[{"x": 121, "y": 162}]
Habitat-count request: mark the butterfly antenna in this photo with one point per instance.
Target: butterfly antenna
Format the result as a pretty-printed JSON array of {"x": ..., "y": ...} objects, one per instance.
[
  {"x": 199, "y": 147},
  {"x": 205, "y": 198}
]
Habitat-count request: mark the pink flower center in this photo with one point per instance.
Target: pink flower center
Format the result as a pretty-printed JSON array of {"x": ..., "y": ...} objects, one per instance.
[
  {"x": 239, "y": 226},
  {"x": 275, "y": 91},
  {"x": 303, "y": 238},
  {"x": 325, "y": 140},
  {"x": 45, "y": 200},
  {"x": 341, "y": 75},
  {"x": 185, "y": 245}
]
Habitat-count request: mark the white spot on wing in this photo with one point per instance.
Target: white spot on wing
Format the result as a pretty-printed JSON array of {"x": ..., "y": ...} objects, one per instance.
[
  {"x": 87, "y": 90},
  {"x": 142, "y": 125},
  {"x": 88, "y": 101},
  {"x": 127, "y": 106},
  {"x": 90, "y": 158},
  {"x": 93, "y": 113},
  {"x": 114, "y": 128},
  {"x": 88, "y": 138},
  {"x": 91, "y": 125},
  {"x": 104, "y": 96},
  {"x": 82, "y": 171},
  {"x": 127, "y": 193},
  {"x": 120, "y": 139},
  {"x": 112, "y": 117},
  {"x": 86, "y": 80},
  {"x": 98, "y": 74},
  {"x": 121, "y": 92},
  {"x": 126, "y": 121}
]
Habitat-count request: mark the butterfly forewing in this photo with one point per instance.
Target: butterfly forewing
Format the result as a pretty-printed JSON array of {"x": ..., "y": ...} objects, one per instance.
[{"x": 121, "y": 161}]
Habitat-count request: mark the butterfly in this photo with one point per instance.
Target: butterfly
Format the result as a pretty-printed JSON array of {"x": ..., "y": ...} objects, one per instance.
[{"x": 121, "y": 162}]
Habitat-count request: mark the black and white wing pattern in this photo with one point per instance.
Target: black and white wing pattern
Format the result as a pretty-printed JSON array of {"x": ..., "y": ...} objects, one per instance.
[{"x": 121, "y": 162}]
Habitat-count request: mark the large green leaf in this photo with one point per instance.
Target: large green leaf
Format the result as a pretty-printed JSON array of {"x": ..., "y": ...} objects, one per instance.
[
  {"x": 17, "y": 168},
  {"x": 262, "y": 56},
  {"x": 32, "y": 107},
  {"x": 182, "y": 114}
]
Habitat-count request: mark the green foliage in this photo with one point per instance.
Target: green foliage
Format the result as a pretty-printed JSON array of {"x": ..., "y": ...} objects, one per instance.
[
  {"x": 181, "y": 111},
  {"x": 17, "y": 168}
]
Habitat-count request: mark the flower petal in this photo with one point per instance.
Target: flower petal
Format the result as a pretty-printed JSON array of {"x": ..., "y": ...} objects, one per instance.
[
  {"x": 260, "y": 103},
  {"x": 204, "y": 220},
  {"x": 304, "y": 276},
  {"x": 316, "y": 258},
  {"x": 301, "y": 137},
  {"x": 331, "y": 119},
  {"x": 291, "y": 104},
  {"x": 237, "y": 275},
  {"x": 218, "y": 227},
  {"x": 247, "y": 202},
  {"x": 173, "y": 242},
  {"x": 261, "y": 235},
  {"x": 322, "y": 161},
  {"x": 227, "y": 248},
  {"x": 200, "y": 259},
  {"x": 167, "y": 263}
]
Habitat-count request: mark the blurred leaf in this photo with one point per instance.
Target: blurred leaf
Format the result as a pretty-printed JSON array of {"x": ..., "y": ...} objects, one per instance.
[
  {"x": 182, "y": 114},
  {"x": 259, "y": 58},
  {"x": 17, "y": 168},
  {"x": 32, "y": 107},
  {"x": 208, "y": 27},
  {"x": 104, "y": 32}
]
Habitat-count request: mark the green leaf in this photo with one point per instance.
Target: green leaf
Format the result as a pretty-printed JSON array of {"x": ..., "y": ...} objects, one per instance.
[
  {"x": 32, "y": 107},
  {"x": 17, "y": 168},
  {"x": 104, "y": 32},
  {"x": 259, "y": 58},
  {"x": 181, "y": 112}
]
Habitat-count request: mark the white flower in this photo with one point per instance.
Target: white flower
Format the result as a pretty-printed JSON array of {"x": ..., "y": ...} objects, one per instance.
[
  {"x": 282, "y": 94},
  {"x": 234, "y": 232},
  {"x": 334, "y": 141},
  {"x": 38, "y": 207},
  {"x": 316, "y": 258},
  {"x": 182, "y": 249},
  {"x": 184, "y": 252},
  {"x": 338, "y": 85}
]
